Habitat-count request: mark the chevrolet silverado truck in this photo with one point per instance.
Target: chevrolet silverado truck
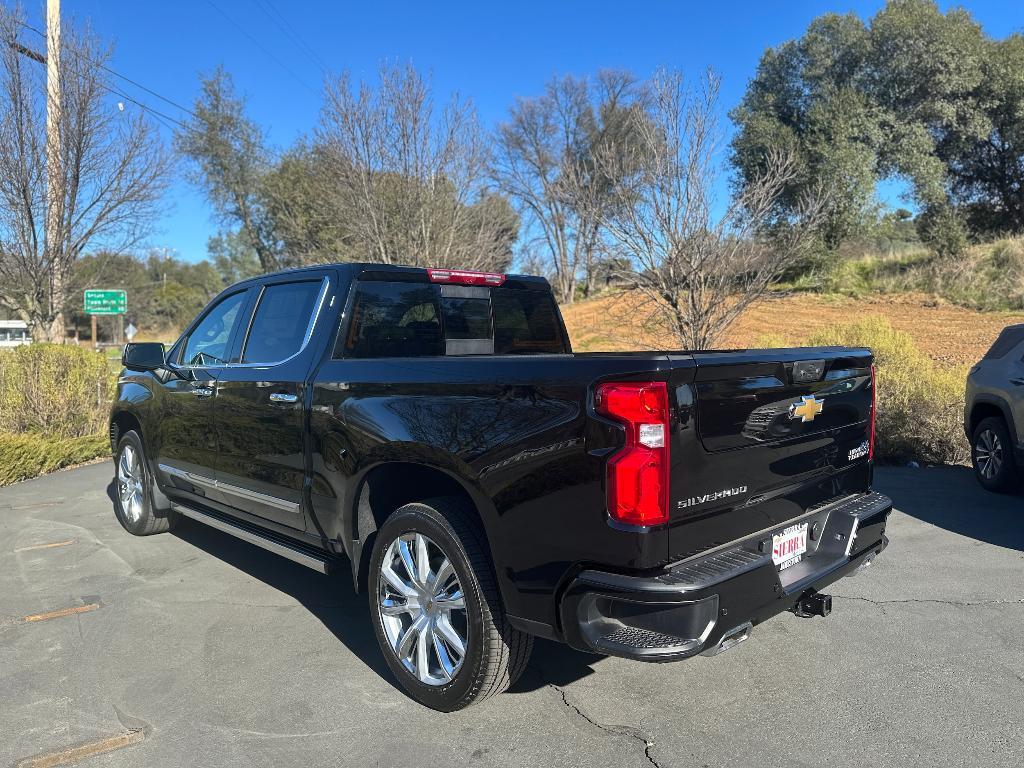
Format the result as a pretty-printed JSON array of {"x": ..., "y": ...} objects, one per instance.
[{"x": 433, "y": 432}]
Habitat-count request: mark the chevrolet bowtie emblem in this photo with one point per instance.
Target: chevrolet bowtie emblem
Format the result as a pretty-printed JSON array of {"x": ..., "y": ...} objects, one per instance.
[{"x": 808, "y": 407}]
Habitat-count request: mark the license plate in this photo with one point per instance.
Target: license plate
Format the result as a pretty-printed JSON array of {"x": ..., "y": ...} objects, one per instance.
[{"x": 789, "y": 546}]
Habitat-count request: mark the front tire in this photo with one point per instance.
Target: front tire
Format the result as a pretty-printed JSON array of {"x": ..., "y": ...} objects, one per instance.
[
  {"x": 436, "y": 609},
  {"x": 992, "y": 456},
  {"x": 133, "y": 502}
]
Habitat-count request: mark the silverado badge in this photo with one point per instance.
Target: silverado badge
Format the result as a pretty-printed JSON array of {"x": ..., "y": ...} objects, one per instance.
[{"x": 808, "y": 407}]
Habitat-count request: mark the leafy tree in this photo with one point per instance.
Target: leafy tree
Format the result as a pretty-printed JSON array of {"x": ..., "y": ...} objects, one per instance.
[
  {"x": 233, "y": 258},
  {"x": 808, "y": 99},
  {"x": 164, "y": 292},
  {"x": 916, "y": 94},
  {"x": 230, "y": 161}
]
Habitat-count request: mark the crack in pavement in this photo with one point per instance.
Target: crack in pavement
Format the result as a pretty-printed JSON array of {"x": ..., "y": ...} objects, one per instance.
[
  {"x": 880, "y": 604},
  {"x": 618, "y": 730}
]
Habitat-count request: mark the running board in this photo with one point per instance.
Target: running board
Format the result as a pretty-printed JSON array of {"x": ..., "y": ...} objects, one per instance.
[{"x": 294, "y": 552}]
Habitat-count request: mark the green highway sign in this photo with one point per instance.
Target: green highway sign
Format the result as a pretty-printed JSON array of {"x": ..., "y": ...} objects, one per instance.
[{"x": 103, "y": 302}]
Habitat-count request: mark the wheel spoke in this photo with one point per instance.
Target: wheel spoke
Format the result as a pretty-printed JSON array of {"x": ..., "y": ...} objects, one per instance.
[
  {"x": 391, "y": 607},
  {"x": 454, "y": 601},
  {"x": 405, "y": 643},
  {"x": 422, "y": 559},
  {"x": 408, "y": 560},
  {"x": 396, "y": 582},
  {"x": 423, "y": 652},
  {"x": 123, "y": 471},
  {"x": 447, "y": 665},
  {"x": 447, "y": 631},
  {"x": 444, "y": 572}
]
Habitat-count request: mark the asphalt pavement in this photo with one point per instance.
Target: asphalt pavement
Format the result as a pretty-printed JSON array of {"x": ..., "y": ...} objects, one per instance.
[{"x": 193, "y": 648}]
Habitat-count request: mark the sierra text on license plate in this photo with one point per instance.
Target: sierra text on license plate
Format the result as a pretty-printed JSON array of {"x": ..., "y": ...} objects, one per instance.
[{"x": 789, "y": 546}]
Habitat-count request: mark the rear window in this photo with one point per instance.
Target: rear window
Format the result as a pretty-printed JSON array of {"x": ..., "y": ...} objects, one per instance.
[
  {"x": 1008, "y": 339},
  {"x": 526, "y": 322},
  {"x": 396, "y": 319}
]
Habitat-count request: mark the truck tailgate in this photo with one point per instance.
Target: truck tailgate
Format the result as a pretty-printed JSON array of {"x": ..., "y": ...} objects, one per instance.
[{"x": 764, "y": 436}]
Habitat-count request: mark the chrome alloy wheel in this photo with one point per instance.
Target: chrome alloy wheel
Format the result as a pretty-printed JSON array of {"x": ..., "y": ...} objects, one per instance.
[
  {"x": 422, "y": 609},
  {"x": 129, "y": 483},
  {"x": 988, "y": 454}
]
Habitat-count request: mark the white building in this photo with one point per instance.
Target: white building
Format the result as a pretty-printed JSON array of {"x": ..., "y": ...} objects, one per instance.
[{"x": 14, "y": 333}]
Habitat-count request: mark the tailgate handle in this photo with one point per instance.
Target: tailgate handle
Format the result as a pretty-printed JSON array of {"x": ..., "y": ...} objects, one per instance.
[{"x": 808, "y": 370}]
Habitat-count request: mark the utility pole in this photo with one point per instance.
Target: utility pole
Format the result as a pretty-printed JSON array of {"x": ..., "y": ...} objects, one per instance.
[{"x": 54, "y": 174}]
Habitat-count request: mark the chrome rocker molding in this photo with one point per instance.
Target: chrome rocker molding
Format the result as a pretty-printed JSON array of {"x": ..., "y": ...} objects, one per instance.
[
  {"x": 296, "y": 554},
  {"x": 232, "y": 490}
]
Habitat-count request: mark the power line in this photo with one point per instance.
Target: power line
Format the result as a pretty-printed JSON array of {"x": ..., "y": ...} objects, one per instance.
[
  {"x": 285, "y": 26},
  {"x": 127, "y": 79},
  {"x": 259, "y": 45},
  {"x": 162, "y": 116}
]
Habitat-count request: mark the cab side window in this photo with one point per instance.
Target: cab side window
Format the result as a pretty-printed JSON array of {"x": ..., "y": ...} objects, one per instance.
[
  {"x": 281, "y": 322},
  {"x": 208, "y": 342}
]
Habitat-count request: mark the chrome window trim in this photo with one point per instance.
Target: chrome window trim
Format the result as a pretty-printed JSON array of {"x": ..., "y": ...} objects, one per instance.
[
  {"x": 233, "y": 490},
  {"x": 318, "y": 307}
]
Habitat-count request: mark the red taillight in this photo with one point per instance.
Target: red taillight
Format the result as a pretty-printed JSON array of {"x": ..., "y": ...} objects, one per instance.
[
  {"x": 874, "y": 410},
  {"x": 463, "y": 277},
  {"x": 637, "y": 475}
]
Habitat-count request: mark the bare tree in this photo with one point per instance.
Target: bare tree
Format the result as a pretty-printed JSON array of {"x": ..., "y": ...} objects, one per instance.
[
  {"x": 700, "y": 269},
  {"x": 110, "y": 166},
  {"x": 409, "y": 179},
  {"x": 545, "y": 161}
]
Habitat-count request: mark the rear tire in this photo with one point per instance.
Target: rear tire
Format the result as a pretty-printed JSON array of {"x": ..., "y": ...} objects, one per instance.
[
  {"x": 992, "y": 454},
  {"x": 133, "y": 490},
  {"x": 447, "y": 557}
]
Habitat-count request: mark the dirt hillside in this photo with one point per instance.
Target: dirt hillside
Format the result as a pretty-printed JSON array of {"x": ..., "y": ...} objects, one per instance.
[{"x": 945, "y": 332}]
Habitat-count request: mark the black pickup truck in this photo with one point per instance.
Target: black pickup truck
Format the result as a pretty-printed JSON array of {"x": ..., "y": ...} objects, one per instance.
[{"x": 486, "y": 485}]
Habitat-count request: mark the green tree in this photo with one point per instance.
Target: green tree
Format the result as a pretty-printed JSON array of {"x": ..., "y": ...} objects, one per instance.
[
  {"x": 230, "y": 161},
  {"x": 233, "y": 258},
  {"x": 915, "y": 94}
]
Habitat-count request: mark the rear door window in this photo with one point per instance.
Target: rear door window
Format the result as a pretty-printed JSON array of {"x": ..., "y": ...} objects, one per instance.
[{"x": 283, "y": 319}]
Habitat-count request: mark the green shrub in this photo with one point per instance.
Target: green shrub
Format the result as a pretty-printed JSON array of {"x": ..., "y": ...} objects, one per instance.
[
  {"x": 920, "y": 404},
  {"x": 30, "y": 455},
  {"x": 54, "y": 390}
]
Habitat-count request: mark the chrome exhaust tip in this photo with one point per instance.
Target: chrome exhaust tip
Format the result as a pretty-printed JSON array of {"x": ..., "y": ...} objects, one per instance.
[{"x": 731, "y": 639}]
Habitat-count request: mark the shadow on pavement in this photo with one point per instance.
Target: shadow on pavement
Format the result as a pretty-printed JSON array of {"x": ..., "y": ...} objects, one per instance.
[
  {"x": 334, "y": 602},
  {"x": 950, "y": 498}
]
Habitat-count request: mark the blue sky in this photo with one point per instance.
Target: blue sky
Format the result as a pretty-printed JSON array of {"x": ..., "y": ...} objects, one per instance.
[{"x": 489, "y": 52}]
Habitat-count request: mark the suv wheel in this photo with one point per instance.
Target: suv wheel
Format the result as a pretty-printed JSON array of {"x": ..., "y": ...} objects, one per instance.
[
  {"x": 133, "y": 503},
  {"x": 436, "y": 609},
  {"x": 992, "y": 456}
]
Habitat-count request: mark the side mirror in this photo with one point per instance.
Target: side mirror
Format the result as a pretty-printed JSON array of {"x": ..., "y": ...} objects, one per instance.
[{"x": 144, "y": 356}]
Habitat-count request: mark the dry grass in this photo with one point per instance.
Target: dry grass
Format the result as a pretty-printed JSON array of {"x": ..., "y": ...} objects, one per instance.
[{"x": 946, "y": 333}]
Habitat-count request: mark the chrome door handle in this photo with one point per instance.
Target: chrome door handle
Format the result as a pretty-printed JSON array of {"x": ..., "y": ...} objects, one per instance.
[
  {"x": 202, "y": 392},
  {"x": 282, "y": 397}
]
